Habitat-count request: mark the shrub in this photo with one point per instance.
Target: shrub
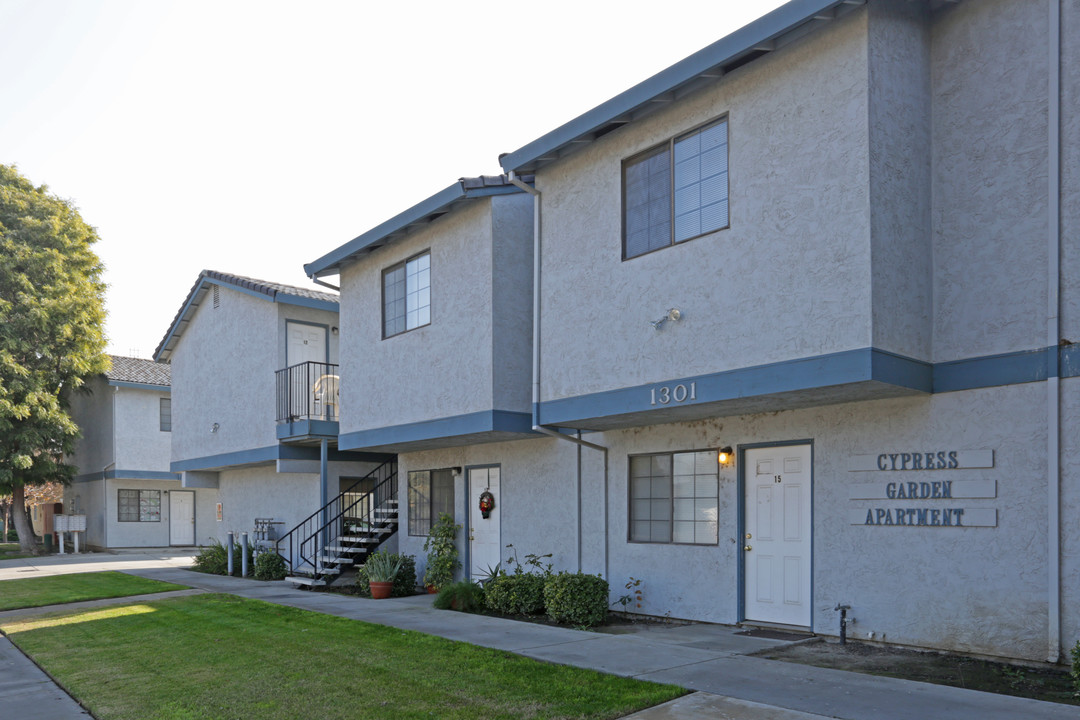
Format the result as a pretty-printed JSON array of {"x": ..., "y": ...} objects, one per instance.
[
  {"x": 214, "y": 559},
  {"x": 441, "y": 547},
  {"x": 404, "y": 582},
  {"x": 520, "y": 594},
  {"x": 1075, "y": 672},
  {"x": 576, "y": 599},
  {"x": 270, "y": 566},
  {"x": 463, "y": 596}
]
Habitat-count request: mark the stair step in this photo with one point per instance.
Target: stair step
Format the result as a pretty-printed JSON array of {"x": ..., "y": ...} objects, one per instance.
[
  {"x": 304, "y": 580},
  {"x": 357, "y": 539},
  {"x": 335, "y": 559},
  {"x": 346, "y": 549}
]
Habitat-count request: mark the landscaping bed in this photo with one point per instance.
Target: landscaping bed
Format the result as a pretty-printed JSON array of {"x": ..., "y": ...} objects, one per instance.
[{"x": 1044, "y": 682}]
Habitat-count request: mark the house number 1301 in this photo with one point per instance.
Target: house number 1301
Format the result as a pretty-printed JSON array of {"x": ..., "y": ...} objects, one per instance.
[{"x": 679, "y": 393}]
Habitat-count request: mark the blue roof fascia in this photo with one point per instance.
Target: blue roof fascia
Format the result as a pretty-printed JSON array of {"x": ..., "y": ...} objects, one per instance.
[
  {"x": 286, "y": 299},
  {"x": 180, "y": 317},
  {"x": 437, "y": 203},
  {"x": 782, "y": 19},
  {"x": 140, "y": 386},
  {"x": 417, "y": 212}
]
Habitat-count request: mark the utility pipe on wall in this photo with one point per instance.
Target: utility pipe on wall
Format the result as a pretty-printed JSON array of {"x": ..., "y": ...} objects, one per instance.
[
  {"x": 1053, "y": 338},
  {"x": 536, "y": 426}
]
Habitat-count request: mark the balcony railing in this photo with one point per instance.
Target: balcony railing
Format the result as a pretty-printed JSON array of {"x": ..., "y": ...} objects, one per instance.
[{"x": 307, "y": 391}]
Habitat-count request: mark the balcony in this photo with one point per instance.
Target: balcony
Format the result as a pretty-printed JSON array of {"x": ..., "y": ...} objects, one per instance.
[{"x": 307, "y": 401}]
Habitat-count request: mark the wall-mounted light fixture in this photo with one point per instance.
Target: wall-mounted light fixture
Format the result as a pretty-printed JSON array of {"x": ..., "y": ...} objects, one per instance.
[
  {"x": 673, "y": 315},
  {"x": 334, "y": 331},
  {"x": 725, "y": 455},
  {"x": 456, "y": 470},
  {"x": 214, "y": 428}
]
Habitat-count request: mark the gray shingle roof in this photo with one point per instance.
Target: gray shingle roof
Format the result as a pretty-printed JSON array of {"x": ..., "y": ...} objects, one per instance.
[
  {"x": 137, "y": 370},
  {"x": 275, "y": 292}
]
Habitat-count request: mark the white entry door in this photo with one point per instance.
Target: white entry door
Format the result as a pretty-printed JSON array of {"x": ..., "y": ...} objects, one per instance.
[
  {"x": 776, "y": 547},
  {"x": 485, "y": 536},
  {"x": 181, "y": 517},
  {"x": 307, "y": 343}
]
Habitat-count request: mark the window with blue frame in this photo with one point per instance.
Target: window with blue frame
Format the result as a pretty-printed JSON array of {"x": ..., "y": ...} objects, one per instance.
[
  {"x": 676, "y": 191},
  {"x": 407, "y": 295}
]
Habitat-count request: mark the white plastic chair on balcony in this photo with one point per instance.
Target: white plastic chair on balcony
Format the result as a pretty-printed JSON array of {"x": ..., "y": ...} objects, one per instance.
[{"x": 325, "y": 395}]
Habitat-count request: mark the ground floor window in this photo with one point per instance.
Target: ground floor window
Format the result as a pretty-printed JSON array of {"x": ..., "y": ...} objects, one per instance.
[
  {"x": 139, "y": 505},
  {"x": 431, "y": 492},
  {"x": 674, "y": 497}
]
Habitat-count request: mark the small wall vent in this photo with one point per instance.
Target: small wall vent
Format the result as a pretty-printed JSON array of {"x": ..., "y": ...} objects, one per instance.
[{"x": 217, "y": 297}]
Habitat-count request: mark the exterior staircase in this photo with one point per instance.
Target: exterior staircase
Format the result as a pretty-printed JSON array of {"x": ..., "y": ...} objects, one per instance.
[{"x": 342, "y": 533}]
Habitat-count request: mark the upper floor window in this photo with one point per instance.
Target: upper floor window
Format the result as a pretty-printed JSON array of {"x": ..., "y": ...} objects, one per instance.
[
  {"x": 165, "y": 415},
  {"x": 407, "y": 295},
  {"x": 676, "y": 191}
]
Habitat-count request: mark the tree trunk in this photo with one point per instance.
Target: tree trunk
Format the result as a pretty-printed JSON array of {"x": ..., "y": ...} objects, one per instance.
[{"x": 27, "y": 542}]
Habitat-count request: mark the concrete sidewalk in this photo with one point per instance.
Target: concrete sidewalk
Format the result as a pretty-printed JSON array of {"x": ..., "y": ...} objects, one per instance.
[{"x": 710, "y": 659}]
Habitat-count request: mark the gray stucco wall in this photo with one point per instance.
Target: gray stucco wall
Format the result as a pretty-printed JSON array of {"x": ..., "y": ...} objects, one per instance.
[
  {"x": 92, "y": 411},
  {"x": 446, "y": 368},
  {"x": 140, "y": 443},
  {"x": 257, "y": 492},
  {"x": 1070, "y": 168},
  {"x": 88, "y": 498},
  {"x": 798, "y": 244},
  {"x": 511, "y": 310},
  {"x": 536, "y": 498},
  {"x": 989, "y": 65},
  {"x": 1070, "y": 510},
  {"x": 969, "y": 589},
  {"x": 223, "y": 372},
  {"x": 898, "y": 51}
]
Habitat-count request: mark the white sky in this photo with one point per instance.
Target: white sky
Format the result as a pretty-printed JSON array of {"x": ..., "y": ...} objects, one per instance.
[{"x": 252, "y": 137}]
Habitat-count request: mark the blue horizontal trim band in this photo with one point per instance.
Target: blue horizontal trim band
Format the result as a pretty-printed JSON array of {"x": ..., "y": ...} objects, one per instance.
[
  {"x": 267, "y": 455},
  {"x": 139, "y": 386},
  {"x": 468, "y": 424},
  {"x": 307, "y": 429},
  {"x": 1069, "y": 361},
  {"x": 126, "y": 475},
  {"x": 994, "y": 370}
]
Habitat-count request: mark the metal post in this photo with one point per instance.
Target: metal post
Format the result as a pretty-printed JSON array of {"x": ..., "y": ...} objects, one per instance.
[
  {"x": 243, "y": 554},
  {"x": 60, "y": 537},
  {"x": 229, "y": 552},
  {"x": 76, "y": 534}
]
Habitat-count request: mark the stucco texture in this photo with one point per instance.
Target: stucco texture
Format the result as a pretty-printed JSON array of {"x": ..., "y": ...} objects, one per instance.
[
  {"x": 798, "y": 242},
  {"x": 475, "y": 354}
]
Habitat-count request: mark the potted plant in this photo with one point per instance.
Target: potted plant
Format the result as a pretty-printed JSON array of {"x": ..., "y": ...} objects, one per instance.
[
  {"x": 381, "y": 569},
  {"x": 442, "y": 559}
]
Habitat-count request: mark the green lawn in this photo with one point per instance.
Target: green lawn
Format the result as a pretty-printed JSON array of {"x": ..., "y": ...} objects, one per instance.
[
  {"x": 220, "y": 656},
  {"x": 56, "y": 589}
]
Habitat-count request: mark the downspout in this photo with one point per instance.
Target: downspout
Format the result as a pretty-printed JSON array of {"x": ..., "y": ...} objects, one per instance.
[
  {"x": 536, "y": 426},
  {"x": 1053, "y": 338}
]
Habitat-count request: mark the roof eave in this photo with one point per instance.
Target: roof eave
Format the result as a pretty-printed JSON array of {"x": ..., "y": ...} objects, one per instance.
[{"x": 705, "y": 63}]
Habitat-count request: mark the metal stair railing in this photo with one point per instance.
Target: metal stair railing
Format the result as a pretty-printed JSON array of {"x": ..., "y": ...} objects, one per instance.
[{"x": 308, "y": 544}]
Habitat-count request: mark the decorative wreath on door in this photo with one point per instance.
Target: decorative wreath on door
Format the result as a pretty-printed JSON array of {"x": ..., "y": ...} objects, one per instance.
[{"x": 487, "y": 504}]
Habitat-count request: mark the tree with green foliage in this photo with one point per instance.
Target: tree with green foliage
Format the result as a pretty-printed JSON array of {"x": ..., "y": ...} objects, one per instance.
[{"x": 52, "y": 314}]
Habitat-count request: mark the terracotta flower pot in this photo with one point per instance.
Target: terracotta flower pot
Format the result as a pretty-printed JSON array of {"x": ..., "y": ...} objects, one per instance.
[
  {"x": 381, "y": 590},
  {"x": 431, "y": 589}
]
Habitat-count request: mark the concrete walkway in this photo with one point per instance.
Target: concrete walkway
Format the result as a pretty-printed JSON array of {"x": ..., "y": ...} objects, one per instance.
[{"x": 710, "y": 659}]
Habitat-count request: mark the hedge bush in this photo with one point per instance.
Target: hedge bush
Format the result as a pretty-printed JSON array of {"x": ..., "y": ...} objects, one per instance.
[
  {"x": 463, "y": 596},
  {"x": 519, "y": 594},
  {"x": 576, "y": 599},
  {"x": 404, "y": 583},
  {"x": 214, "y": 559},
  {"x": 270, "y": 566}
]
